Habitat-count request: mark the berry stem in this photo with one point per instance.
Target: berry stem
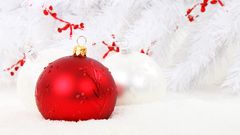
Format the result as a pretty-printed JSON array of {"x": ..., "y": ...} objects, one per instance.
[
  {"x": 14, "y": 68},
  {"x": 68, "y": 25},
  {"x": 203, "y": 5}
]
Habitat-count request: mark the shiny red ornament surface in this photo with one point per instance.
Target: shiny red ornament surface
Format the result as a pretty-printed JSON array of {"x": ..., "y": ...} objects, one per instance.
[{"x": 75, "y": 88}]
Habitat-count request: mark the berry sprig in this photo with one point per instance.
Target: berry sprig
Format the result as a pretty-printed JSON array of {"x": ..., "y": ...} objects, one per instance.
[
  {"x": 148, "y": 50},
  {"x": 111, "y": 47},
  {"x": 203, "y": 6},
  {"x": 68, "y": 25},
  {"x": 114, "y": 48},
  {"x": 14, "y": 68}
]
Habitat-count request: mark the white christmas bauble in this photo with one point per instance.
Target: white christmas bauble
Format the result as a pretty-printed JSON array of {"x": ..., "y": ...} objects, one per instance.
[
  {"x": 30, "y": 72},
  {"x": 138, "y": 77}
]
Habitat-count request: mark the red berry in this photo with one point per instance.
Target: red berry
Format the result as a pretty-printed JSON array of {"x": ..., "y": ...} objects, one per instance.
[
  {"x": 81, "y": 25},
  {"x": 16, "y": 68},
  {"x": 12, "y": 73},
  {"x": 203, "y": 9},
  {"x": 45, "y": 12},
  {"x": 50, "y": 8},
  {"x": 54, "y": 14},
  {"x": 22, "y": 62},
  {"x": 203, "y": 4},
  {"x": 75, "y": 26},
  {"x": 59, "y": 30},
  {"x": 189, "y": 11},
  {"x": 190, "y": 18},
  {"x": 213, "y": 2}
]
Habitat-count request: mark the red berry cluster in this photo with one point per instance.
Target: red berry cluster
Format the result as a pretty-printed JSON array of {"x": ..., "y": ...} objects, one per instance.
[
  {"x": 68, "y": 25},
  {"x": 115, "y": 48},
  {"x": 112, "y": 47},
  {"x": 14, "y": 68},
  {"x": 203, "y": 6}
]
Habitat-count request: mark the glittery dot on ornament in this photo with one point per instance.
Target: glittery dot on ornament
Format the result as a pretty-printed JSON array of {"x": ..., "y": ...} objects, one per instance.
[{"x": 68, "y": 25}]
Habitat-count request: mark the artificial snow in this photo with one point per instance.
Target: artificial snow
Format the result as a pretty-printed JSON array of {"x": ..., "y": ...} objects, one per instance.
[{"x": 196, "y": 113}]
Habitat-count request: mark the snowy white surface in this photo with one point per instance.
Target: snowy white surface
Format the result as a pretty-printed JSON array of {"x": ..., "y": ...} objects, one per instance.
[{"x": 205, "y": 113}]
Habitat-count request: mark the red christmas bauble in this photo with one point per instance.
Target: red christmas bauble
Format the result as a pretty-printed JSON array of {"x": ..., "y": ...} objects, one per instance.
[{"x": 75, "y": 88}]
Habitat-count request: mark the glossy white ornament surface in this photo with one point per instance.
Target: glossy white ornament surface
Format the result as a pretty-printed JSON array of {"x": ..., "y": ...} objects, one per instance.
[{"x": 138, "y": 77}]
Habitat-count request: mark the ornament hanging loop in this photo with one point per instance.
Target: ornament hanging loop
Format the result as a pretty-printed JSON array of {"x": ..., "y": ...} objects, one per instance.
[{"x": 80, "y": 39}]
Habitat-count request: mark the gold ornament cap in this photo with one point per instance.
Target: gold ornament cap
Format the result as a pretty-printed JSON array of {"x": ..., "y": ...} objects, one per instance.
[{"x": 79, "y": 49}]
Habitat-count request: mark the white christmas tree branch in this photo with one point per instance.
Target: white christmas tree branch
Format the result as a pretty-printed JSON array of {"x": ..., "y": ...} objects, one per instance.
[
  {"x": 233, "y": 79},
  {"x": 157, "y": 26},
  {"x": 207, "y": 44}
]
